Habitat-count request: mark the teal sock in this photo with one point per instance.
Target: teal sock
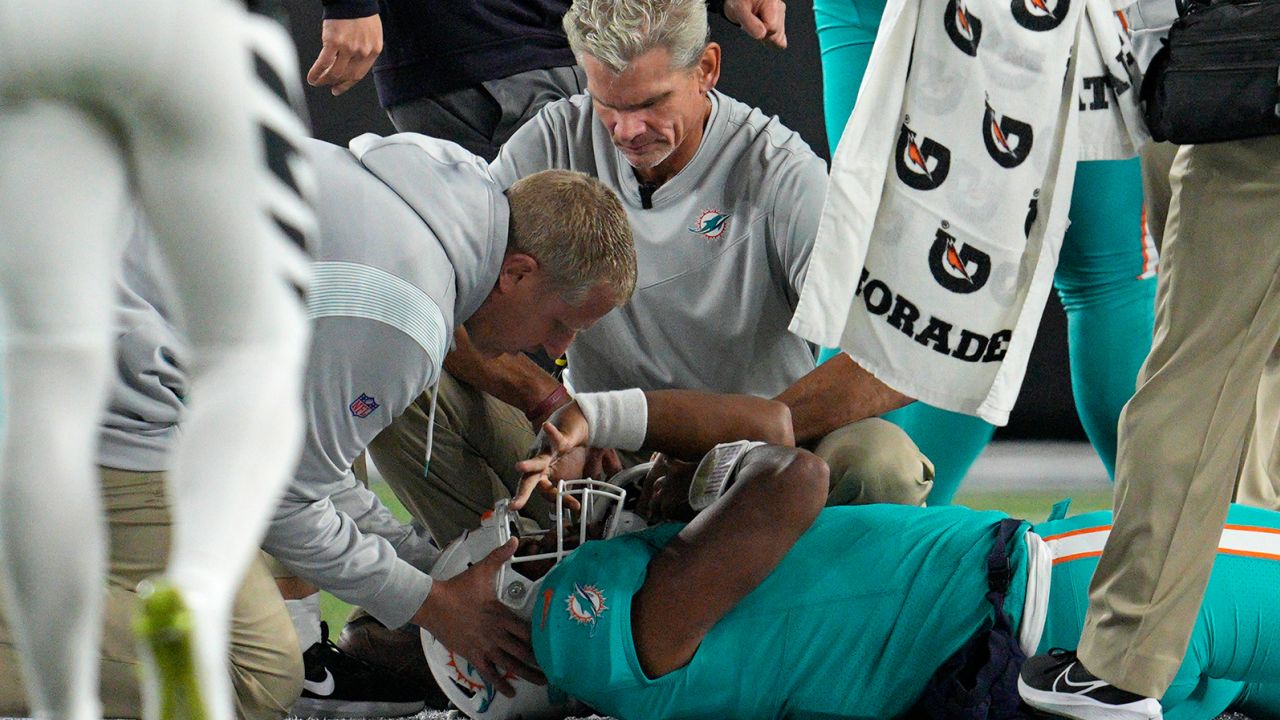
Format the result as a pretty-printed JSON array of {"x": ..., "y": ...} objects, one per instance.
[{"x": 1110, "y": 306}]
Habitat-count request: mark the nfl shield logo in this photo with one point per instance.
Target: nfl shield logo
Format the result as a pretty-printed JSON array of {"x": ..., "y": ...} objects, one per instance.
[{"x": 363, "y": 405}]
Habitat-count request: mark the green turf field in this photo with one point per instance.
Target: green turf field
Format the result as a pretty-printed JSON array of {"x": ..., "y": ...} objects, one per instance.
[{"x": 1033, "y": 506}]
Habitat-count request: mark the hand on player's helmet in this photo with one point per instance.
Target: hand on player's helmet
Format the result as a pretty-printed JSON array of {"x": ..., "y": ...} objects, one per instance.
[
  {"x": 348, "y": 48},
  {"x": 600, "y": 463},
  {"x": 465, "y": 615}
]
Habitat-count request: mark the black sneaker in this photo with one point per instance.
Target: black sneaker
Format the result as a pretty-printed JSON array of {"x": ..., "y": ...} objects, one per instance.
[
  {"x": 337, "y": 685},
  {"x": 1058, "y": 683},
  {"x": 396, "y": 649}
]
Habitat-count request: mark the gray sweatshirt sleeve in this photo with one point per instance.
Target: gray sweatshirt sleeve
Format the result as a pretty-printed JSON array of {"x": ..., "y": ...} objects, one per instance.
[
  {"x": 531, "y": 149},
  {"x": 328, "y": 529},
  {"x": 145, "y": 409},
  {"x": 800, "y": 189}
]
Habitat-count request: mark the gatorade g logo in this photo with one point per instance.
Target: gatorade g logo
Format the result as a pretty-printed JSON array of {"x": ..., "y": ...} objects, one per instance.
[
  {"x": 961, "y": 269},
  {"x": 964, "y": 29},
  {"x": 1040, "y": 15},
  {"x": 922, "y": 165},
  {"x": 1008, "y": 141}
]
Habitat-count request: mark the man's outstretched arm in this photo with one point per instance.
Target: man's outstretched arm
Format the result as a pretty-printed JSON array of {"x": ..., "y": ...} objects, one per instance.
[
  {"x": 834, "y": 394},
  {"x": 725, "y": 553},
  {"x": 684, "y": 424}
]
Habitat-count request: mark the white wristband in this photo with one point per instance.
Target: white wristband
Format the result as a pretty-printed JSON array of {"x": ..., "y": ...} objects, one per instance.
[{"x": 615, "y": 419}]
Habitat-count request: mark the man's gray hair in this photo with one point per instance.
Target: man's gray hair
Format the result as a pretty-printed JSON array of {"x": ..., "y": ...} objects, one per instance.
[
  {"x": 577, "y": 230},
  {"x": 615, "y": 32}
]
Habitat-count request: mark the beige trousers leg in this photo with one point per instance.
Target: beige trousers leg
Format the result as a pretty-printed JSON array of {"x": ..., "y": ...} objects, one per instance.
[
  {"x": 477, "y": 441},
  {"x": 1185, "y": 437},
  {"x": 266, "y": 667},
  {"x": 1157, "y": 160}
]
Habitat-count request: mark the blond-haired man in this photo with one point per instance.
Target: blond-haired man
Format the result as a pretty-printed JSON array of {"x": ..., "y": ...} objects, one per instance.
[{"x": 416, "y": 239}]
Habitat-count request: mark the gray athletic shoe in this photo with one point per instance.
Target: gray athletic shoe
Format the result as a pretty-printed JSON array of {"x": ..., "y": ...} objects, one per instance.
[{"x": 1058, "y": 683}]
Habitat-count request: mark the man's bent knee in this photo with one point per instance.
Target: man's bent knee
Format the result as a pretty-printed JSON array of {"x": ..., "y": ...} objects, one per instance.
[
  {"x": 874, "y": 461},
  {"x": 266, "y": 662}
]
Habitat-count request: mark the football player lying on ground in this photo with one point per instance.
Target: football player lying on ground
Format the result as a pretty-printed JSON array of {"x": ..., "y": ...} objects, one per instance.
[{"x": 767, "y": 605}]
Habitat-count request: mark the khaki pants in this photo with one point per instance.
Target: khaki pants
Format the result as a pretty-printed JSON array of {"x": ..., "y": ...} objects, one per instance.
[
  {"x": 478, "y": 440},
  {"x": 266, "y": 667},
  {"x": 1205, "y": 417},
  {"x": 1157, "y": 158}
]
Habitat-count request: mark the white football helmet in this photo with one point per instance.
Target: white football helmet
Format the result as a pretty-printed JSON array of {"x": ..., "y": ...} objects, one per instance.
[{"x": 476, "y": 698}]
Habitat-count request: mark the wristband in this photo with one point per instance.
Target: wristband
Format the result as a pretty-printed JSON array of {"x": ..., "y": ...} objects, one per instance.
[
  {"x": 715, "y": 473},
  {"x": 548, "y": 405},
  {"x": 615, "y": 419}
]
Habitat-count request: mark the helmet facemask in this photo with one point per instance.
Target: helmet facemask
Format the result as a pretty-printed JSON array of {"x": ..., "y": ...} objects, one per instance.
[{"x": 600, "y": 507}]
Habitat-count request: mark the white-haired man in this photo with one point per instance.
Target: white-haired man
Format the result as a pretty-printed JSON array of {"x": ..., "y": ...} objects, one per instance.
[{"x": 724, "y": 202}]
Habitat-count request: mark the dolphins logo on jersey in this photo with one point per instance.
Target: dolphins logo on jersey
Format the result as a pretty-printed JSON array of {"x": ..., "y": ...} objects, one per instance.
[
  {"x": 964, "y": 29},
  {"x": 466, "y": 678},
  {"x": 1040, "y": 15},
  {"x": 959, "y": 268},
  {"x": 710, "y": 224},
  {"x": 922, "y": 165},
  {"x": 1008, "y": 141},
  {"x": 586, "y": 606}
]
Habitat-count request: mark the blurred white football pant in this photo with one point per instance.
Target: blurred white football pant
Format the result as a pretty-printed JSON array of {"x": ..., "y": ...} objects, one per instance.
[{"x": 99, "y": 102}]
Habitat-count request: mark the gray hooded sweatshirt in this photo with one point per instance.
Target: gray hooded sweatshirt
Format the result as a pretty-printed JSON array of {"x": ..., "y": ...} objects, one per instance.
[
  {"x": 412, "y": 234},
  {"x": 143, "y": 414}
]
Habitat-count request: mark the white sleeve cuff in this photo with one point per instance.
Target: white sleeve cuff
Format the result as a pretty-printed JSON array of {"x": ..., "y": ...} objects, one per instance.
[{"x": 615, "y": 419}]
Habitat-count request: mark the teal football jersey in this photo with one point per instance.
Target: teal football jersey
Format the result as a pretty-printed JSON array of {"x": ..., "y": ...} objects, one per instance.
[{"x": 836, "y": 631}]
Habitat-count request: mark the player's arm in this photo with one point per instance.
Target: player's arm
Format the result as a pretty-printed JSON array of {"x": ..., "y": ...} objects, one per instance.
[
  {"x": 724, "y": 553},
  {"x": 681, "y": 423},
  {"x": 839, "y": 391},
  {"x": 351, "y": 39},
  {"x": 834, "y": 394},
  {"x": 685, "y": 424}
]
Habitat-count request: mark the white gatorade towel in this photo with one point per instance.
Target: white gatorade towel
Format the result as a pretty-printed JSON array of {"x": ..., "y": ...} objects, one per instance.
[{"x": 949, "y": 191}]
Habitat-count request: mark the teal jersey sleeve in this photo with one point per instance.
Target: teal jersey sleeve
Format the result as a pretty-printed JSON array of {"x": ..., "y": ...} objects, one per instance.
[{"x": 852, "y": 623}]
